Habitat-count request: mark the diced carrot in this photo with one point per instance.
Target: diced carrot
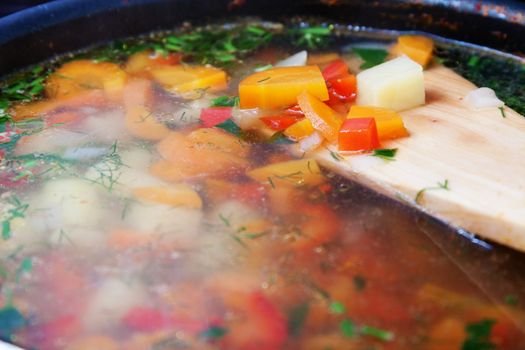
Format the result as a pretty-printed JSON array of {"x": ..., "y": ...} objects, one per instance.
[
  {"x": 42, "y": 108},
  {"x": 389, "y": 123},
  {"x": 323, "y": 118},
  {"x": 280, "y": 122},
  {"x": 215, "y": 115},
  {"x": 204, "y": 151},
  {"x": 100, "y": 342},
  {"x": 185, "y": 78},
  {"x": 141, "y": 63},
  {"x": 171, "y": 172},
  {"x": 125, "y": 239},
  {"x": 78, "y": 76},
  {"x": 174, "y": 195},
  {"x": 140, "y": 121},
  {"x": 417, "y": 47},
  {"x": 291, "y": 173},
  {"x": 358, "y": 134},
  {"x": 62, "y": 118},
  {"x": 322, "y": 59},
  {"x": 250, "y": 193},
  {"x": 300, "y": 130},
  {"x": 279, "y": 87}
]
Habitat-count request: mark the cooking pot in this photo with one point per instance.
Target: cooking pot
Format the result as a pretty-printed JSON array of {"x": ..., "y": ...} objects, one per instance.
[{"x": 58, "y": 27}]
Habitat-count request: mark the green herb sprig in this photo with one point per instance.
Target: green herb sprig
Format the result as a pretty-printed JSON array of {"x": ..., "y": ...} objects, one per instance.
[
  {"x": 478, "y": 336},
  {"x": 371, "y": 57},
  {"x": 311, "y": 37},
  {"x": 386, "y": 153},
  {"x": 440, "y": 186}
]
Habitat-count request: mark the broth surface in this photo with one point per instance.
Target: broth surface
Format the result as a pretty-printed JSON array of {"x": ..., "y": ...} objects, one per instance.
[{"x": 128, "y": 225}]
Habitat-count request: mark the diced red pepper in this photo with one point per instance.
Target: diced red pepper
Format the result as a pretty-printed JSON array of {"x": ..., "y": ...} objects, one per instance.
[
  {"x": 358, "y": 134},
  {"x": 280, "y": 122},
  {"x": 169, "y": 59},
  {"x": 335, "y": 69},
  {"x": 344, "y": 86},
  {"x": 215, "y": 115},
  {"x": 145, "y": 319},
  {"x": 295, "y": 110}
]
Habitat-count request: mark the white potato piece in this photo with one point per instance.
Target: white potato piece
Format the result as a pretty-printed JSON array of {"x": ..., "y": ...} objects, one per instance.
[
  {"x": 396, "y": 84},
  {"x": 65, "y": 203},
  {"x": 171, "y": 224},
  {"x": 106, "y": 126},
  {"x": 52, "y": 140},
  {"x": 110, "y": 303}
]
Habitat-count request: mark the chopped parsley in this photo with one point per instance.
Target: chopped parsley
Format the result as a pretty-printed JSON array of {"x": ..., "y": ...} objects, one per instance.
[
  {"x": 511, "y": 299},
  {"x": 225, "y": 101},
  {"x": 213, "y": 333},
  {"x": 311, "y": 37},
  {"x": 296, "y": 318},
  {"x": 278, "y": 138},
  {"x": 385, "y": 153},
  {"x": 440, "y": 186},
  {"x": 347, "y": 328},
  {"x": 337, "y": 308},
  {"x": 378, "y": 333},
  {"x": 478, "y": 336},
  {"x": 371, "y": 57},
  {"x": 16, "y": 209},
  {"x": 231, "y": 127}
]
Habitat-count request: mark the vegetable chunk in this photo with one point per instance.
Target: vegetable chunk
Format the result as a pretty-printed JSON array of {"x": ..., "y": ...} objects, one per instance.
[
  {"x": 358, "y": 134},
  {"x": 279, "y": 87},
  {"x": 396, "y": 84},
  {"x": 184, "y": 78},
  {"x": 322, "y": 117},
  {"x": 389, "y": 123},
  {"x": 419, "y": 48}
]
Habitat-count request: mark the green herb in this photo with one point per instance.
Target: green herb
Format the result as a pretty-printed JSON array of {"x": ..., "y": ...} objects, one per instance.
[
  {"x": 17, "y": 209},
  {"x": 256, "y": 235},
  {"x": 440, "y": 186},
  {"x": 505, "y": 76},
  {"x": 502, "y": 110},
  {"x": 385, "y": 153},
  {"x": 263, "y": 80},
  {"x": 377, "y": 333},
  {"x": 473, "y": 61},
  {"x": 10, "y": 321},
  {"x": 337, "y": 308},
  {"x": 213, "y": 333},
  {"x": 23, "y": 88},
  {"x": 511, "y": 299},
  {"x": 109, "y": 168},
  {"x": 278, "y": 138},
  {"x": 231, "y": 127},
  {"x": 371, "y": 57},
  {"x": 219, "y": 47},
  {"x": 336, "y": 156},
  {"x": 347, "y": 327},
  {"x": 311, "y": 37},
  {"x": 359, "y": 283},
  {"x": 296, "y": 318},
  {"x": 225, "y": 101},
  {"x": 270, "y": 181},
  {"x": 25, "y": 267},
  {"x": 225, "y": 220},
  {"x": 263, "y": 68},
  {"x": 478, "y": 336}
]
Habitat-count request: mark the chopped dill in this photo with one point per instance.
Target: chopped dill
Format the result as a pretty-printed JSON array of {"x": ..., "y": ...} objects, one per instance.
[
  {"x": 225, "y": 101},
  {"x": 336, "y": 156},
  {"x": 263, "y": 80},
  {"x": 16, "y": 209},
  {"x": 502, "y": 110},
  {"x": 385, "y": 153},
  {"x": 440, "y": 186}
]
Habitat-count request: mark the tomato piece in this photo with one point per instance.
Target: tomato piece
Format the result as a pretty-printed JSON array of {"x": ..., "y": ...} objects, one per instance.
[
  {"x": 335, "y": 69},
  {"x": 215, "y": 115},
  {"x": 169, "y": 59},
  {"x": 358, "y": 134},
  {"x": 345, "y": 87},
  {"x": 295, "y": 110},
  {"x": 145, "y": 319},
  {"x": 280, "y": 122}
]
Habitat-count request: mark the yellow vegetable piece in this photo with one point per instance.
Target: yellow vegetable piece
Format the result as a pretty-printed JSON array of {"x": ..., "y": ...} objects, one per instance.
[
  {"x": 389, "y": 123},
  {"x": 299, "y": 130},
  {"x": 174, "y": 195},
  {"x": 184, "y": 78},
  {"x": 323, "y": 118},
  {"x": 290, "y": 173},
  {"x": 79, "y": 76},
  {"x": 417, "y": 47},
  {"x": 280, "y": 86}
]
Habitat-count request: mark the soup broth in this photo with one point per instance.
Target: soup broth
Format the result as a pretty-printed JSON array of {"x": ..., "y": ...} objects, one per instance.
[{"x": 142, "y": 208}]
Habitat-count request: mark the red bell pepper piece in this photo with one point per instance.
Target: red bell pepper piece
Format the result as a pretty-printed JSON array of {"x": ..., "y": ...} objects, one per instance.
[
  {"x": 335, "y": 69},
  {"x": 280, "y": 122},
  {"x": 294, "y": 110},
  {"x": 344, "y": 86},
  {"x": 145, "y": 319},
  {"x": 215, "y": 115},
  {"x": 169, "y": 59},
  {"x": 358, "y": 134}
]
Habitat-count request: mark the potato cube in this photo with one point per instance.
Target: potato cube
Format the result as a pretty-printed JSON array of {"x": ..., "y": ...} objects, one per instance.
[{"x": 396, "y": 84}]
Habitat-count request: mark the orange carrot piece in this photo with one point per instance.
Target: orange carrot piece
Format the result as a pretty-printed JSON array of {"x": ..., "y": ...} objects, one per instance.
[
  {"x": 323, "y": 118},
  {"x": 279, "y": 87},
  {"x": 419, "y": 48}
]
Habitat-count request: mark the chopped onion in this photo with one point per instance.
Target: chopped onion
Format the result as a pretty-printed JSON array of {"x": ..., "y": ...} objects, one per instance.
[
  {"x": 298, "y": 59},
  {"x": 84, "y": 153},
  {"x": 483, "y": 98},
  {"x": 311, "y": 142},
  {"x": 247, "y": 118}
]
